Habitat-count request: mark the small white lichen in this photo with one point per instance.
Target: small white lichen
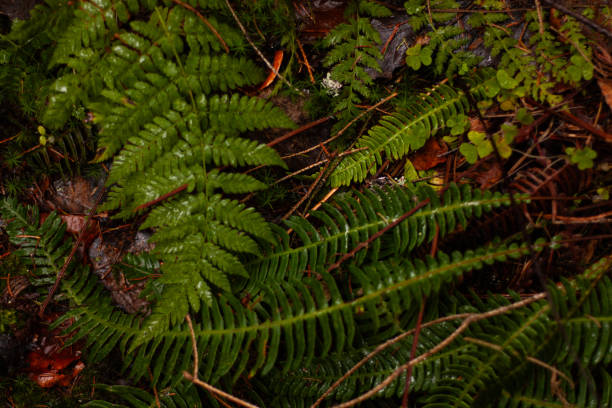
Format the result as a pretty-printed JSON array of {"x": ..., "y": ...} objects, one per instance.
[{"x": 333, "y": 87}]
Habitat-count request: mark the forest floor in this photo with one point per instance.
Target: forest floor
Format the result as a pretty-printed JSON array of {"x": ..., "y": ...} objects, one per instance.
[{"x": 561, "y": 158}]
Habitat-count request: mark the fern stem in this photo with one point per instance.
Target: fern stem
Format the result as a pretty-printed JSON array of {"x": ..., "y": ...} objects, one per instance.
[
  {"x": 75, "y": 246},
  {"x": 161, "y": 198},
  {"x": 378, "y": 234},
  {"x": 205, "y": 21}
]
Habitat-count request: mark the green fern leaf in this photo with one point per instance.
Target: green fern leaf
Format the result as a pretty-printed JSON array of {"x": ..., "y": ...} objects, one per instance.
[
  {"x": 301, "y": 319},
  {"x": 182, "y": 395},
  {"x": 404, "y": 131},
  {"x": 353, "y": 219}
]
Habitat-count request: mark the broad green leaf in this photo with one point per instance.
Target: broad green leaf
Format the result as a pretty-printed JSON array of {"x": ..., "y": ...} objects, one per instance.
[{"x": 505, "y": 80}]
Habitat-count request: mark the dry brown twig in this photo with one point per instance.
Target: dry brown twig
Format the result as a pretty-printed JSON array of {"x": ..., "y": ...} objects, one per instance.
[
  {"x": 533, "y": 360},
  {"x": 341, "y": 131},
  {"x": 378, "y": 234},
  {"x": 75, "y": 246},
  {"x": 313, "y": 165},
  {"x": 194, "y": 376},
  {"x": 415, "y": 341},
  {"x": 469, "y": 318}
]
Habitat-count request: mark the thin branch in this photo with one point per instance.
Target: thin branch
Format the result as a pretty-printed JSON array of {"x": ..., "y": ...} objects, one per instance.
[
  {"x": 563, "y": 114},
  {"x": 313, "y": 165},
  {"x": 308, "y": 193},
  {"x": 161, "y": 198},
  {"x": 593, "y": 219},
  {"x": 341, "y": 131},
  {"x": 579, "y": 17},
  {"x": 533, "y": 360},
  {"x": 469, "y": 319},
  {"x": 378, "y": 234},
  {"x": 312, "y": 80},
  {"x": 194, "y": 377},
  {"x": 299, "y": 130},
  {"x": 68, "y": 259},
  {"x": 196, "y": 363},
  {"x": 415, "y": 341}
]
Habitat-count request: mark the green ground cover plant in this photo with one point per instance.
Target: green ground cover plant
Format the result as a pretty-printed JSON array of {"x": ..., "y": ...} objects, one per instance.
[{"x": 431, "y": 249}]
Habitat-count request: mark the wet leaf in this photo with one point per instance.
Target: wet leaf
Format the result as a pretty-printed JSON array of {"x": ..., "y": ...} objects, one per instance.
[
  {"x": 606, "y": 89},
  {"x": 429, "y": 156},
  {"x": 505, "y": 80}
]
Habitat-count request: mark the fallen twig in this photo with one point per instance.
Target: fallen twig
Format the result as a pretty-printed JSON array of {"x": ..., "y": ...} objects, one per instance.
[
  {"x": 312, "y": 80},
  {"x": 378, "y": 234},
  {"x": 471, "y": 318},
  {"x": 75, "y": 246},
  {"x": 194, "y": 376},
  {"x": 579, "y": 17},
  {"x": 415, "y": 341},
  {"x": 298, "y": 131},
  {"x": 344, "y": 129}
]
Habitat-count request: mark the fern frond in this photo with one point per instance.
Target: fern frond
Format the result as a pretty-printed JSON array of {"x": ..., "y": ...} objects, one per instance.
[
  {"x": 559, "y": 333},
  {"x": 407, "y": 130},
  {"x": 420, "y": 15},
  {"x": 373, "y": 9},
  {"x": 585, "y": 322},
  {"x": 181, "y": 395},
  {"x": 354, "y": 48},
  {"x": 199, "y": 237},
  {"x": 312, "y": 381},
  {"x": 353, "y": 218},
  {"x": 593, "y": 388},
  {"x": 512, "y": 338},
  {"x": 290, "y": 323},
  {"x": 164, "y": 98},
  {"x": 41, "y": 247}
]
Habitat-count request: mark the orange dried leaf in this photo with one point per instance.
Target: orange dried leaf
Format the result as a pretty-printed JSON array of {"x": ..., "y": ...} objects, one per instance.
[
  {"x": 278, "y": 60},
  {"x": 606, "y": 89},
  {"x": 429, "y": 156}
]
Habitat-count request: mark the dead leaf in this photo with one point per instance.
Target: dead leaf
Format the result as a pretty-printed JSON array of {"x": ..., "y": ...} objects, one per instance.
[
  {"x": 476, "y": 124},
  {"x": 74, "y": 196},
  {"x": 489, "y": 173},
  {"x": 48, "y": 379},
  {"x": 318, "y": 17},
  {"x": 430, "y": 155},
  {"x": 606, "y": 89},
  {"x": 278, "y": 60},
  {"x": 51, "y": 364},
  {"x": 76, "y": 223}
]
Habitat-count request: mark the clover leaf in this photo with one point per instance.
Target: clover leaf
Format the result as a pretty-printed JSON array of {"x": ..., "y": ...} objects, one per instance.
[
  {"x": 505, "y": 80},
  {"x": 582, "y": 157},
  {"x": 458, "y": 124}
]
